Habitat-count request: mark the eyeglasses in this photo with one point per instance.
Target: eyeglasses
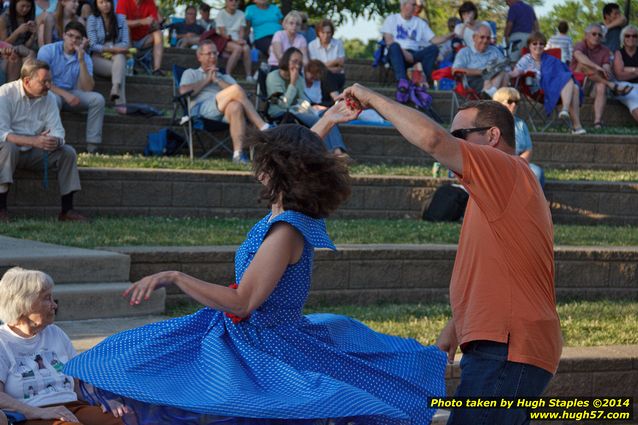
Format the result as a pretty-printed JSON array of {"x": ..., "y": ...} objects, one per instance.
[
  {"x": 462, "y": 133},
  {"x": 631, "y": 35},
  {"x": 537, "y": 43},
  {"x": 596, "y": 34},
  {"x": 483, "y": 37},
  {"x": 512, "y": 101}
]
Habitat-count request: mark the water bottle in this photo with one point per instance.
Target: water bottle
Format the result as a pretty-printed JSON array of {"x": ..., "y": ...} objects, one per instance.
[
  {"x": 130, "y": 65},
  {"x": 436, "y": 170},
  {"x": 450, "y": 174},
  {"x": 254, "y": 55},
  {"x": 173, "y": 38}
]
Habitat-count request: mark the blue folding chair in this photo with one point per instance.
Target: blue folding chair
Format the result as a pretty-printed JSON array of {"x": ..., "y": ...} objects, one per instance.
[{"x": 195, "y": 125}]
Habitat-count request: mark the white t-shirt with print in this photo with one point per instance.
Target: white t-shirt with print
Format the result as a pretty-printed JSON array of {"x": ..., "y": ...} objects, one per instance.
[
  {"x": 413, "y": 34},
  {"x": 231, "y": 23},
  {"x": 31, "y": 368}
]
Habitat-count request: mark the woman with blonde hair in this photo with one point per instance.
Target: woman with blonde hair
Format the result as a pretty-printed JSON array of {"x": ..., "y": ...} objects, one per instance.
[
  {"x": 54, "y": 24},
  {"x": 510, "y": 97},
  {"x": 287, "y": 38}
]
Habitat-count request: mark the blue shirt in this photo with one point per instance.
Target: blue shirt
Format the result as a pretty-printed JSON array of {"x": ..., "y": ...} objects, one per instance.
[
  {"x": 523, "y": 139},
  {"x": 264, "y": 22},
  {"x": 64, "y": 72},
  {"x": 522, "y": 17}
]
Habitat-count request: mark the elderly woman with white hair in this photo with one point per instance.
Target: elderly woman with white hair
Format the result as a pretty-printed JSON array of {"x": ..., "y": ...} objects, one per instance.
[
  {"x": 33, "y": 352},
  {"x": 287, "y": 38},
  {"x": 626, "y": 67}
]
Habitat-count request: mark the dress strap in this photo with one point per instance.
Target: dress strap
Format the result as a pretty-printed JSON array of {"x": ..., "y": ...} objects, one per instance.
[{"x": 313, "y": 229}]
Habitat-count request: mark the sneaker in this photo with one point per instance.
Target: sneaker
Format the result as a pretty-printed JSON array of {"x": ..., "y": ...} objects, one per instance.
[
  {"x": 250, "y": 79},
  {"x": 564, "y": 115},
  {"x": 71, "y": 215},
  {"x": 578, "y": 131},
  {"x": 241, "y": 159},
  {"x": 92, "y": 148},
  {"x": 159, "y": 73}
]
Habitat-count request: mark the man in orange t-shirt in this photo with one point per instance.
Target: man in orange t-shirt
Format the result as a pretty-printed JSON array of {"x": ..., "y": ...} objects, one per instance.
[
  {"x": 502, "y": 289},
  {"x": 143, "y": 20}
]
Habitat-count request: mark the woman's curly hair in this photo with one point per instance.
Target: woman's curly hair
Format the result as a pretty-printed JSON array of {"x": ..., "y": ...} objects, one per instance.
[{"x": 300, "y": 169}]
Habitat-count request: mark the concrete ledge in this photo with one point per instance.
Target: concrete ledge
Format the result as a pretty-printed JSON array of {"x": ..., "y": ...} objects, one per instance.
[
  {"x": 102, "y": 300},
  {"x": 64, "y": 264},
  {"x": 232, "y": 194},
  {"x": 367, "y": 274}
]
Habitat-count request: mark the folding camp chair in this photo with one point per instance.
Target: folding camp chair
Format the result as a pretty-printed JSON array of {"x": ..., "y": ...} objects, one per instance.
[
  {"x": 462, "y": 91},
  {"x": 533, "y": 97},
  {"x": 195, "y": 125}
]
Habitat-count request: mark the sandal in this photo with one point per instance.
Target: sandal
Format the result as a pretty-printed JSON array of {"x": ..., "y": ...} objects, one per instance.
[
  {"x": 621, "y": 91},
  {"x": 598, "y": 125},
  {"x": 627, "y": 89}
]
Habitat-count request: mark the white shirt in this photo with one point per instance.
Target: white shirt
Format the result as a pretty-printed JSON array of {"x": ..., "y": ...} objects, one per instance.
[
  {"x": 468, "y": 33},
  {"x": 334, "y": 50},
  {"x": 412, "y": 34},
  {"x": 25, "y": 116},
  {"x": 31, "y": 368},
  {"x": 231, "y": 23}
]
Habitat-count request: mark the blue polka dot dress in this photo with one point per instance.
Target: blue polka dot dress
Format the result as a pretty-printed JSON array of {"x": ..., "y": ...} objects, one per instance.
[{"x": 276, "y": 367}]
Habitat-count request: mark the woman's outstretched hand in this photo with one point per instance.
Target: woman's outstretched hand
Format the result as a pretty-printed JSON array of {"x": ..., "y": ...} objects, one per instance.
[{"x": 142, "y": 289}]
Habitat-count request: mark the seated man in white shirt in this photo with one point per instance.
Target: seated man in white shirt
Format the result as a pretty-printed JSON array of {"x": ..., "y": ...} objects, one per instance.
[
  {"x": 485, "y": 66},
  {"x": 32, "y": 136},
  {"x": 409, "y": 39},
  {"x": 217, "y": 96}
]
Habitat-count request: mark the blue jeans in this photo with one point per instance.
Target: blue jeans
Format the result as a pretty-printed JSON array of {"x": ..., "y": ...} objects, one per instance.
[
  {"x": 539, "y": 173},
  {"x": 426, "y": 56},
  {"x": 486, "y": 372},
  {"x": 333, "y": 139}
]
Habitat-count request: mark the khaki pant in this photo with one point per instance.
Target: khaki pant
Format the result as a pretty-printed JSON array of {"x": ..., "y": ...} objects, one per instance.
[
  {"x": 114, "y": 68},
  {"x": 91, "y": 102},
  {"x": 86, "y": 414},
  {"x": 64, "y": 160}
]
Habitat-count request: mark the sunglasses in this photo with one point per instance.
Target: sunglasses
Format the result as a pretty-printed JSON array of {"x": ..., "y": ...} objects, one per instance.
[
  {"x": 510, "y": 101},
  {"x": 537, "y": 43},
  {"x": 631, "y": 35},
  {"x": 597, "y": 34},
  {"x": 462, "y": 133}
]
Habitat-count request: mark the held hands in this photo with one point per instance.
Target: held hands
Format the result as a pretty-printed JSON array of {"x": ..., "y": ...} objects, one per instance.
[
  {"x": 45, "y": 142},
  {"x": 142, "y": 289},
  {"x": 71, "y": 99},
  {"x": 55, "y": 412},
  {"x": 357, "y": 97},
  {"x": 80, "y": 49},
  {"x": 212, "y": 75},
  {"x": 342, "y": 112}
]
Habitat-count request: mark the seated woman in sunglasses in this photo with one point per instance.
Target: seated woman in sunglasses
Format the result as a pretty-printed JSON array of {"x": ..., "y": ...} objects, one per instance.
[
  {"x": 510, "y": 97},
  {"x": 626, "y": 67},
  {"x": 554, "y": 78}
]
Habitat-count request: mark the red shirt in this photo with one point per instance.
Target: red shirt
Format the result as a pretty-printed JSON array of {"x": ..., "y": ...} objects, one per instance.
[
  {"x": 599, "y": 55},
  {"x": 502, "y": 286},
  {"x": 133, "y": 11}
]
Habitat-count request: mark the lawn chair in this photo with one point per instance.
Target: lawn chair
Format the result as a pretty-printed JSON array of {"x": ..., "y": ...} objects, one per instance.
[
  {"x": 461, "y": 93},
  {"x": 195, "y": 125},
  {"x": 533, "y": 97}
]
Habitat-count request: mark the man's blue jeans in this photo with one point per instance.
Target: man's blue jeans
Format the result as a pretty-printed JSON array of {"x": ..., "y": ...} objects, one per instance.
[
  {"x": 426, "y": 56},
  {"x": 486, "y": 372}
]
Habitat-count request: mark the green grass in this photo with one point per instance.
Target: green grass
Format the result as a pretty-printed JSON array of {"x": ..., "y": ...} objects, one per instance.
[
  {"x": 584, "y": 323},
  {"x": 215, "y": 231},
  {"x": 183, "y": 163}
]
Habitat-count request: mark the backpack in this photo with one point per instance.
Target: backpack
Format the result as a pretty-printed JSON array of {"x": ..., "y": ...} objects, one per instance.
[
  {"x": 447, "y": 203},
  {"x": 163, "y": 142}
]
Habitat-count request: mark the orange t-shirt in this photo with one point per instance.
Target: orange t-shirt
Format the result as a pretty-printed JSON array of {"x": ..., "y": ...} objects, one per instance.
[{"x": 502, "y": 286}]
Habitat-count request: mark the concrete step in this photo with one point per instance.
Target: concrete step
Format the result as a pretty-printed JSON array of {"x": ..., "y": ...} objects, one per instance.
[
  {"x": 74, "y": 271},
  {"x": 79, "y": 301},
  {"x": 66, "y": 265},
  {"x": 384, "y": 145},
  {"x": 152, "y": 192},
  {"x": 383, "y": 273}
]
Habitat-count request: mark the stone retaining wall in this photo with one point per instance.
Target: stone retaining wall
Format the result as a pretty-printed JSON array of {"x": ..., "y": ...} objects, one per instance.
[
  {"x": 234, "y": 194},
  {"x": 364, "y": 274}
]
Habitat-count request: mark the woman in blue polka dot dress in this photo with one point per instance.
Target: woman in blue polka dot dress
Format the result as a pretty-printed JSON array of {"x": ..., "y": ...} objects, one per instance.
[{"x": 251, "y": 356}]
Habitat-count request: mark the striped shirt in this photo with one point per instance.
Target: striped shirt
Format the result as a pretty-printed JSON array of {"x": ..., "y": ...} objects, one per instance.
[
  {"x": 564, "y": 43},
  {"x": 97, "y": 34}
]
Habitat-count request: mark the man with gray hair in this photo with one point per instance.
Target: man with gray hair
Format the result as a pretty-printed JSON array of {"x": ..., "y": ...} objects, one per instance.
[
  {"x": 484, "y": 66},
  {"x": 217, "y": 96},
  {"x": 592, "y": 58},
  {"x": 32, "y": 136}
]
